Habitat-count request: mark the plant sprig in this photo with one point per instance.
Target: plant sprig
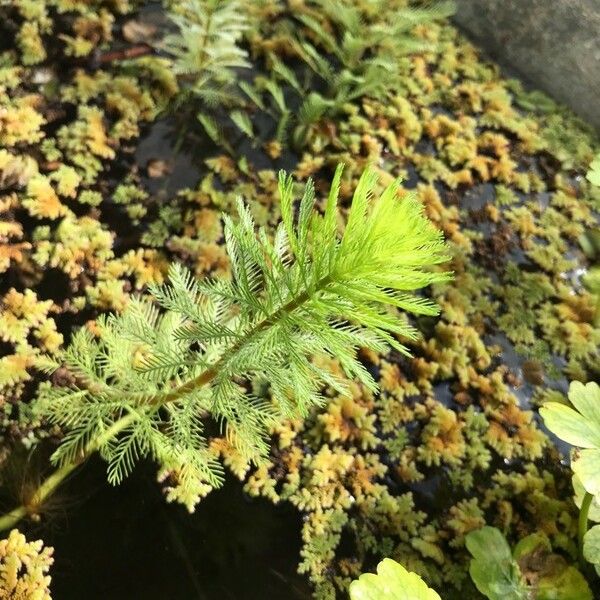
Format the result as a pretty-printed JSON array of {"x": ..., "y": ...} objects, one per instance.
[{"x": 149, "y": 379}]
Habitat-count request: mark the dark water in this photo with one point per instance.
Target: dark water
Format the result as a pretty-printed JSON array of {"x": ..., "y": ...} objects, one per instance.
[{"x": 126, "y": 543}]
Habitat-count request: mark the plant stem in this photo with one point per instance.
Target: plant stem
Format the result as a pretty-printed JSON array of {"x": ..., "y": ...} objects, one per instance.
[
  {"x": 583, "y": 523},
  {"x": 209, "y": 374},
  {"x": 54, "y": 480},
  {"x": 51, "y": 483}
]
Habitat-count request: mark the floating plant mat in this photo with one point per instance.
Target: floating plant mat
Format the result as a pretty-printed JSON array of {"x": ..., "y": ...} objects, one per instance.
[{"x": 104, "y": 184}]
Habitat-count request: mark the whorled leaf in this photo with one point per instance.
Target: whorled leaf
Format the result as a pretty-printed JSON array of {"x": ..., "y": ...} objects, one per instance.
[{"x": 147, "y": 379}]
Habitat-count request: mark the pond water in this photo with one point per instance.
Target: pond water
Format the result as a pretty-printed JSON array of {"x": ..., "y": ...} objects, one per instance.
[{"x": 125, "y": 543}]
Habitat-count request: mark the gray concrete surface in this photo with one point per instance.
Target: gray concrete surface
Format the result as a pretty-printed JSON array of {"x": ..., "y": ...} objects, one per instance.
[{"x": 554, "y": 44}]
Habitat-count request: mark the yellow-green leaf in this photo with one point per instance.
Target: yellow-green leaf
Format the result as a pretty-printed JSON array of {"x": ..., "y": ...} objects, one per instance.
[
  {"x": 392, "y": 581},
  {"x": 579, "y": 426},
  {"x": 587, "y": 467},
  {"x": 591, "y": 545}
]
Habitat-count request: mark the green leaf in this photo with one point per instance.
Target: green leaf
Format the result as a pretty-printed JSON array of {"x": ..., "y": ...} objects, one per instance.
[
  {"x": 243, "y": 122},
  {"x": 579, "y": 427},
  {"x": 586, "y": 399},
  {"x": 252, "y": 93},
  {"x": 488, "y": 542},
  {"x": 563, "y": 584},
  {"x": 587, "y": 467},
  {"x": 210, "y": 126},
  {"x": 578, "y": 493},
  {"x": 392, "y": 581},
  {"x": 493, "y": 570},
  {"x": 591, "y": 545},
  {"x": 593, "y": 175}
]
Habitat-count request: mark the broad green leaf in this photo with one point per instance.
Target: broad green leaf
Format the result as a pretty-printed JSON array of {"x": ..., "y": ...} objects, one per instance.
[
  {"x": 493, "y": 570},
  {"x": 593, "y": 175},
  {"x": 392, "y": 581},
  {"x": 488, "y": 542},
  {"x": 586, "y": 399},
  {"x": 591, "y": 545},
  {"x": 587, "y": 467},
  {"x": 570, "y": 426}
]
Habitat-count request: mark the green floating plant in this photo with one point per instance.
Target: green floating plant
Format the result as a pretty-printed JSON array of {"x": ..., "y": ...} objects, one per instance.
[
  {"x": 580, "y": 426},
  {"x": 392, "y": 581},
  {"x": 593, "y": 175},
  {"x": 531, "y": 570},
  {"x": 355, "y": 53},
  {"x": 146, "y": 382}
]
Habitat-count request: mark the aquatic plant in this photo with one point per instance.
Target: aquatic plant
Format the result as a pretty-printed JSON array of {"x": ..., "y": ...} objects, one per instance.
[
  {"x": 26, "y": 324},
  {"x": 207, "y": 57},
  {"x": 205, "y": 49},
  {"x": 146, "y": 381},
  {"x": 593, "y": 174},
  {"x": 501, "y": 184},
  {"x": 580, "y": 426},
  {"x": 531, "y": 570},
  {"x": 348, "y": 51},
  {"x": 391, "y": 581},
  {"x": 24, "y": 568},
  {"x": 345, "y": 50}
]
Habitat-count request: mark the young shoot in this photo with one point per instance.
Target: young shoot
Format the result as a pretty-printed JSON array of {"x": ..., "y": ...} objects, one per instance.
[{"x": 148, "y": 381}]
